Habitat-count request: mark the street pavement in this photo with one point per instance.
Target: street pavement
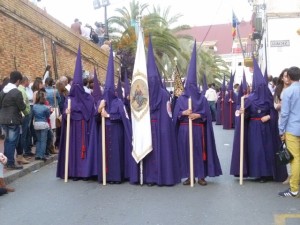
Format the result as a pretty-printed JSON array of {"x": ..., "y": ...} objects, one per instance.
[{"x": 41, "y": 198}]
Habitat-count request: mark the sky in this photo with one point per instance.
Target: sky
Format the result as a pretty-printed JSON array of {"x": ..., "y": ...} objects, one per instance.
[{"x": 204, "y": 13}]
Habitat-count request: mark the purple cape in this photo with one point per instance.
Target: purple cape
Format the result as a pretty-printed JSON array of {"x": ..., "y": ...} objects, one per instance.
[
  {"x": 161, "y": 165},
  {"x": 219, "y": 108},
  {"x": 261, "y": 139},
  {"x": 229, "y": 110},
  {"x": 118, "y": 142},
  {"x": 206, "y": 161},
  {"x": 81, "y": 161}
]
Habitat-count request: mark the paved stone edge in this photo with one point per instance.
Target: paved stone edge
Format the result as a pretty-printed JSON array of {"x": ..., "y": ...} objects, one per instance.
[{"x": 12, "y": 175}]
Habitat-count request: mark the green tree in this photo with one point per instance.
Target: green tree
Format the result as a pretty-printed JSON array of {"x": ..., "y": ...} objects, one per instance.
[{"x": 167, "y": 41}]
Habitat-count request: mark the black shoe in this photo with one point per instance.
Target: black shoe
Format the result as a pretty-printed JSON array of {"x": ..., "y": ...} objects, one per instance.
[
  {"x": 202, "y": 182},
  {"x": 3, "y": 191},
  {"x": 287, "y": 193},
  {"x": 188, "y": 182},
  {"x": 39, "y": 158},
  {"x": 150, "y": 184},
  {"x": 261, "y": 180},
  {"x": 14, "y": 167}
]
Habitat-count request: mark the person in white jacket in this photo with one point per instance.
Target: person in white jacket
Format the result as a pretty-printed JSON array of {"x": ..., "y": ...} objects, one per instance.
[{"x": 211, "y": 96}]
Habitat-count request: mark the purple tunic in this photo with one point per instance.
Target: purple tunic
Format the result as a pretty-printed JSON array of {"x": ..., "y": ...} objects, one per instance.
[
  {"x": 229, "y": 110},
  {"x": 117, "y": 142},
  {"x": 219, "y": 108},
  {"x": 261, "y": 139},
  {"x": 81, "y": 161},
  {"x": 206, "y": 161},
  {"x": 160, "y": 166}
]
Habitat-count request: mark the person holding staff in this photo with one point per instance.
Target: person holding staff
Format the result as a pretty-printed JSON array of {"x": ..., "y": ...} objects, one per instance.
[{"x": 205, "y": 157}]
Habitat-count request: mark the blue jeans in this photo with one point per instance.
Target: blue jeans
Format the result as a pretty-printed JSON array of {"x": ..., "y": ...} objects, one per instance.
[
  {"x": 25, "y": 144},
  {"x": 12, "y": 133},
  {"x": 212, "y": 107},
  {"x": 41, "y": 143}
]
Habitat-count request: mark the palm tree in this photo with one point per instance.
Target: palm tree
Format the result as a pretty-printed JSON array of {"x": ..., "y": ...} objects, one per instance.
[
  {"x": 166, "y": 41},
  {"x": 123, "y": 30}
]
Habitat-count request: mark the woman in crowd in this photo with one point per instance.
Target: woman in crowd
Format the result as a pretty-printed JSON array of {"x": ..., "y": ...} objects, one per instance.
[
  {"x": 41, "y": 114},
  {"x": 282, "y": 83}
]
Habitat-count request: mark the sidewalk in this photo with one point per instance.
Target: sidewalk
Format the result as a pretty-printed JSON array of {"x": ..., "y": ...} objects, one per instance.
[{"x": 12, "y": 175}]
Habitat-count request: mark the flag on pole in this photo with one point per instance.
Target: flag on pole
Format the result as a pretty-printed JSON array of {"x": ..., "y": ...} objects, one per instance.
[
  {"x": 234, "y": 25},
  {"x": 139, "y": 103}
]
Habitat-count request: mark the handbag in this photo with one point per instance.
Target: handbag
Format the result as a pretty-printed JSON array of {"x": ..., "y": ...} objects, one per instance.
[
  {"x": 283, "y": 156},
  {"x": 40, "y": 125}
]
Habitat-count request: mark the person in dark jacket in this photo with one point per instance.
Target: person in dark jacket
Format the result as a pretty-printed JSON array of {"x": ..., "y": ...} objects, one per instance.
[{"x": 11, "y": 106}]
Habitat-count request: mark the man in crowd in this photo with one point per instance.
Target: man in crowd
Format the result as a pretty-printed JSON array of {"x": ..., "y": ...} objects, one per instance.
[
  {"x": 11, "y": 106},
  {"x": 76, "y": 27},
  {"x": 289, "y": 128},
  {"x": 211, "y": 96}
]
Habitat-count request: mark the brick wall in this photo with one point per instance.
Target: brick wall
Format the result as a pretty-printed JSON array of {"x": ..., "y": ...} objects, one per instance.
[{"x": 29, "y": 36}]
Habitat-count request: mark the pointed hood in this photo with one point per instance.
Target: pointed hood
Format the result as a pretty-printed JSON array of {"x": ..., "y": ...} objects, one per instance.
[
  {"x": 120, "y": 90},
  {"x": 96, "y": 89},
  {"x": 77, "y": 78},
  {"x": 257, "y": 74},
  {"x": 204, "y": 84},
  {"x": 261, "y": 95},
  {"x": 109, "y": 89},
  {"x": 126, "y": 84},
  {"x": 244, "y": 83},
  {"x": 223, "y": 88},
  {"x": 266, "y": 75},
  {"x": 81, "y": 102},
  {"x": 154, "y": 80},
  {"x": 191, "y": 87},
  {"x": 240, "y": 94},
  {"x": 230, "y": 84}
]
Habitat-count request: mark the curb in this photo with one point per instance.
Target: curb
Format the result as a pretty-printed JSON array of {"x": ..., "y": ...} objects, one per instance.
[{"x": 12, "y": 175}]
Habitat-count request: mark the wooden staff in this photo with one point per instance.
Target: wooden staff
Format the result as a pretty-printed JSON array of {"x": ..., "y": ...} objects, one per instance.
[
  {"x": 67, "y": 141},
  {"x": 103, "y": 152},
  {"x": 242, "y": 141},
  {"x": 191, "y": 146}
]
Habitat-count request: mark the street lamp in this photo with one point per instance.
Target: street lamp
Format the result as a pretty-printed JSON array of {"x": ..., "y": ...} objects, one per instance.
[{"x": 97, "y": 5}]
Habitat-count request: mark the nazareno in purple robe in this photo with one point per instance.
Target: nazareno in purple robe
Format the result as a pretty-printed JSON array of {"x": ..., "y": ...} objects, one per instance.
[
  {"x": 220, "y": 104},
  {"x": 206, "y": 161},
  {"x": 80, "y": 160},
  {"x": 235, "y": 156},
  {"x": 262, "y": 138},
  {"x": 118, "y": 135},
  {"x": 229, "y": 110},
  {"x": 161, "y": 165},
  {"x": 117, "y": 142}
]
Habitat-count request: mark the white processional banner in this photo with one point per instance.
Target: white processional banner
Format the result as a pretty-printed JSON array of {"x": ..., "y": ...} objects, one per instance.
[{"x": 139, "y": 103}]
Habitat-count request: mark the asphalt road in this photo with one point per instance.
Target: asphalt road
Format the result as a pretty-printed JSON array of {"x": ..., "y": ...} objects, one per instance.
[{"x": 41, "y": 198}]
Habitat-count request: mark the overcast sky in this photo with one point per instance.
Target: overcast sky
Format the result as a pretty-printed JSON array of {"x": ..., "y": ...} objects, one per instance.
[{"x": 203, "y": 13}]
